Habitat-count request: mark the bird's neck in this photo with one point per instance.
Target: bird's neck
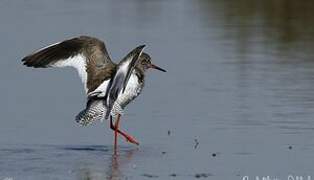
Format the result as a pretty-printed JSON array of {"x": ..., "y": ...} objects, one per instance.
[{"x": 140, "y": 74}]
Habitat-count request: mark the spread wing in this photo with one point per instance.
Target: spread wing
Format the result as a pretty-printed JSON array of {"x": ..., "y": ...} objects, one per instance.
[
  {"x": 121, "y": 78},
  {"x": 87, "y": 55}
]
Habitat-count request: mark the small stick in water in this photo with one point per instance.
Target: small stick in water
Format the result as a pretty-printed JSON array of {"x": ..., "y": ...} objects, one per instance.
[{"x": 196, "y": 143}]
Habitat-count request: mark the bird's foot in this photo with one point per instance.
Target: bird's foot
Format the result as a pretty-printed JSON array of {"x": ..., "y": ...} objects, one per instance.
[
  {"x": 127, "y": 137},
  {"x": 131, "y": 139}
]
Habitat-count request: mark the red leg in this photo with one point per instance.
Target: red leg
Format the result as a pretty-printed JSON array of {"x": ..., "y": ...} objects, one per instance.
[
  {"x": 126, "y": 136},
  {"x": 116, "y": 133}
]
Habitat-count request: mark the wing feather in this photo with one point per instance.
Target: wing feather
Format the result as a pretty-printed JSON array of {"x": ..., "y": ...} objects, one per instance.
[
  {"x": 121, "y": 78},
  {"x": 86, "y": 54}
]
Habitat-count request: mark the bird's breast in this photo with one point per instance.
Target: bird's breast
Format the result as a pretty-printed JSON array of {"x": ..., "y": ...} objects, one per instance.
[{"x": 132, "y": 90}]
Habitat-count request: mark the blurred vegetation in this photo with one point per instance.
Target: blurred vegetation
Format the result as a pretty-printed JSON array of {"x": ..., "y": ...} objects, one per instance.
[{"x": 283, "y": 24}]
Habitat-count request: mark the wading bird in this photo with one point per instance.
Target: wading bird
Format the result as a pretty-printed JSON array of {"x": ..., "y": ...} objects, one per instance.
[{"x": 109, "y": 86}]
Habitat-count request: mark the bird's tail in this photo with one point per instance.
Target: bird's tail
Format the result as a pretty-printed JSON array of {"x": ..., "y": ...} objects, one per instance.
[{"x": 94, "y": 111}]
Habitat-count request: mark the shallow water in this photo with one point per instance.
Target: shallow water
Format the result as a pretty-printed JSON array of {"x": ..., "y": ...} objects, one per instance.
[{"x": 237, "y": 100}]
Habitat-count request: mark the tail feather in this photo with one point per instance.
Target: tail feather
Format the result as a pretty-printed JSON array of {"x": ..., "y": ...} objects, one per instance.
[{"x": 94, "y": 111}]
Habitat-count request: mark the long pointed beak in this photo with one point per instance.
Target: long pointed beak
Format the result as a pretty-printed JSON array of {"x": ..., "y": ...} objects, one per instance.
[{"x": 158, "y": 68}]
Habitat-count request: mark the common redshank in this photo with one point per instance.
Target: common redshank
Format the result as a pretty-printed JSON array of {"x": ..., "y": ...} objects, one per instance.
[{"x": 109, "y": 86}]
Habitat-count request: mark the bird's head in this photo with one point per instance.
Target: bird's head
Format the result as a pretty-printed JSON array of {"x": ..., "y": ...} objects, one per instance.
[{"x": 145, "y": 63}]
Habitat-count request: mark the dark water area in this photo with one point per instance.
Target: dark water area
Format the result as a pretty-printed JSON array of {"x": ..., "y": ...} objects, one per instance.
[{"x": 237, "y": 100}]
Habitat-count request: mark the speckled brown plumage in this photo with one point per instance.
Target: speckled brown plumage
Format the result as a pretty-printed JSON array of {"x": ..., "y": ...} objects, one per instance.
[
  {"x": 97, "y": 76},
  {"x": 99, "y": 65}
]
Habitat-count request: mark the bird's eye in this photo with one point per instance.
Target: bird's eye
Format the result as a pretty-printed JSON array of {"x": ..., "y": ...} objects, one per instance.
[{"x": 143, "y": 63}]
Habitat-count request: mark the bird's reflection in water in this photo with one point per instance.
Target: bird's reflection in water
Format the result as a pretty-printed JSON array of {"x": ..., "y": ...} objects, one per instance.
[
  {"x": 113, "y": 169},
  {"x": 119, "y": 161}
]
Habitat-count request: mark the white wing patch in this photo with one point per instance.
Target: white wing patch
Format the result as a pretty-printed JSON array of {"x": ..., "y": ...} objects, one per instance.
[
  {"x": 125, "y": 66},
  {"x": 102, "y": 88},
  {"x": 79, "y": 63}
]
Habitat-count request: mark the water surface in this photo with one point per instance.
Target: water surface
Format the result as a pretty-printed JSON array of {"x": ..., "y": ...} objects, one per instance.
[{"x": 240, "y": 85}]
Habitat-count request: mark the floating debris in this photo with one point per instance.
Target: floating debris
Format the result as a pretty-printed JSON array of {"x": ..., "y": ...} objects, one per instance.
[
  {"x": 214, "y": 154},
  {"x": 202, "y": 175},
  {"x": 173, "y": 175},
  {"x": 196, "y": 143},
  {"x": 164, "y": 152},
  {"x": 290, "y": 147},
  {"x": 150, "y": 175},
  {"x": 169, "y": 132}
]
